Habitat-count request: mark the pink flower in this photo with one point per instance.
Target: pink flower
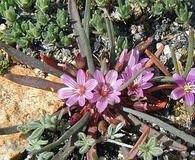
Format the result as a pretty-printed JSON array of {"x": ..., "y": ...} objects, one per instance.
[
  {"x": 140, "y": 83},
  {"x": 186, "y": 87},
  {"x": 76, "y": 91},
  {"x": 107, "y": 90}
]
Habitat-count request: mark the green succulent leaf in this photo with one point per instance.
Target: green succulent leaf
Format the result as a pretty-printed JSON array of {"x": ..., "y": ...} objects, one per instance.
[
  {"x": 36, "y": 134},
  {"x": 157, "y": 8},
  {"x": 97, "y": 22},
  {"x": 142, "y": 3},
  {"x": 82, "y": 136},
  {"x": 42, "y": 5},
  {"x": 84, "y": 149},
  {"x": 152, "y": 142},
  {"x": 156, "y": 151},
  {"x": 125, "y": 11},
  {"x": 118, "y": 127},
  {"x": 35, "y": 144},
  {"x": 42, "y": 18},
  {"x": 79, "y": 143},
  {"x": 45, "y": 156},
  {"x": 147, "y": 156},
  {"x": 25, "y": 3},
  {"x": 10, "y": 14},
  {"x": 62, "y": 19}
]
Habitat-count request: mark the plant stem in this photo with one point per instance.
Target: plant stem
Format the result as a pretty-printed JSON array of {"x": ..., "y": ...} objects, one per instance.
[
  {"x": 174, "y": 61},
  {"x": 164, "y": 79},
  {"x": 110, "y": 30},
  {"x": 9, "y": 130},
  {"x": 87, "y": 17},
  {"x": 119, "y": 143},
  {"x": 82, "y": 40},
  {"x": 189, "y": 62},
  {"x": 81, "y": 123},
  {"x": 130, "y": 81},
  {"x": 181, "y": 134}
]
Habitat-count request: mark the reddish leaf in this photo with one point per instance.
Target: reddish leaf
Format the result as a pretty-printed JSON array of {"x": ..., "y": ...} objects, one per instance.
[
  {"x": 157, "y": 62},
  {"x": 50, "y": 62},
  {"x": 133, "y": 152}
]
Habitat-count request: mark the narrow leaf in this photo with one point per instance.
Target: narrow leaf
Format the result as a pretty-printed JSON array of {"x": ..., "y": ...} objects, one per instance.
[
  {"x": 30, "y": 61},
  {"x": 147, "y": 156},
  {"x": 190, "y": 58},
  {"x": 34, "y": 82},
  {"x": 156, "y": 151},
  {"x": 87, "y": 17},
  {"x": 157, "y": 63},
  {"x": 36, "y": 133},
  {"x": 82, "y": 40},
  {"x": 152, "y": 142},
  {"x": 133, "y": 152},
  {"x": 118, "y": 127}
]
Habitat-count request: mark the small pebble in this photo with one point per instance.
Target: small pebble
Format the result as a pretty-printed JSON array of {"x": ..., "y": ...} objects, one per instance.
[{"x": 192, "y": 153}]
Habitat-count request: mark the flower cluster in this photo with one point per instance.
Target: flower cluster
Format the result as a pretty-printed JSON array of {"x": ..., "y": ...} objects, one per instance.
[{"x": 103, "y": 90}]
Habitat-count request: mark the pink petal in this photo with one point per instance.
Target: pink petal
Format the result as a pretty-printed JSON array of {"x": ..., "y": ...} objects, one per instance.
[
  {"x": 81, "y": 77},
  {"x": 189, "y": 99},
  {"x": 111, "y": 77},
  {"x": 177, "y": 93},
  {"x": 68, "y": 81},
  {"x": 91, "y": 84},
  {"x": 64, "y": 93},
  {"x": 123, "y": 56},
  {"x": 117, "y": 84},
  {"x": 89, "y": 95},
  {"x": 144, "y": 60},
  {"x": 81, "y": 100},
  {"x": 101, "y": 105},
  {"x": 99, "y": 76},
  {"x": 191, "y": 76},
  {"x": 139, "y": 92},
  {"x": 146, "y": 77},
  {"x": 113, "y": 97},
  {"x": 96, "y": 97},
  {"x": 146, "y": 85},
  {"x": 179, "y": 79},
  {"x": 72, "y": 100},
  {"x": 134, "y": 57}
]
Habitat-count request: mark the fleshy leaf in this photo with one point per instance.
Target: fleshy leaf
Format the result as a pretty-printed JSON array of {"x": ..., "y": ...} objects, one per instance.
[
  {"x": 156, "y": 151},
  {"x": 36, "y": 133}
]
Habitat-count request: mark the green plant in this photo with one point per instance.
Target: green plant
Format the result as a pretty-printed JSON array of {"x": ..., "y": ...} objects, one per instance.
[
  {"x": 84, "y": 143},
  {"x": 97, "y": 22},
  {"x": 45, "y": 156},
  {"x": 4, "y": 64},
  {"x": 142, "y": 3},
  {"x": 157, "y": 8},
  {"x": 32, "y": 24},
  {"x": 124, "y": 10},
  {"x": 35, "y": 144},
  {"x": 113, "y": 131},
  {"x": 150, "y": 149},
  {"x": 48, "y": 122},
  {"x": 183, "y": 15}
]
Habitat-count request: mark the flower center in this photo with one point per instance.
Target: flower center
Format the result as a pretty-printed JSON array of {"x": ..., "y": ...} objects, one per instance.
[
  {"x": 104, "y": 90},
  {"x": 189, "y": 87},
  {"x": 81, "y": 90}
]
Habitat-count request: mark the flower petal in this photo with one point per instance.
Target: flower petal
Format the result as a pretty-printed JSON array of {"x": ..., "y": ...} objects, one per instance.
[
  {"x": 177, "y": 93},
  {"x": 64, "y": 93},
  {"x": 134, "y": 57},
  {"x": 91, "y": 84},
  {"x": 179, "y": 79},
  {"x": 139, "y": 92},
  {"x": 72, "y": 100},
  {"x": 68, "y": 81},
  {"x": 81, "y": 77},
  {"x": 146, "y": 77},
  {"x": 189, "y": 99},
  {"x": 113, "y": 98},
  {"x": 111, "y": 77},
  {"x": 101, "y": 105},
  {"x": 99, "y": 76},
  {"x": 146, "y": 85},
  {"x": 117, "y": 84},
  {"x": 191, "y": 76},
  {"x": 89, "y": 95},
  {"x": 81, "y": 100},
  {"x": 96, "y": 97}
]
